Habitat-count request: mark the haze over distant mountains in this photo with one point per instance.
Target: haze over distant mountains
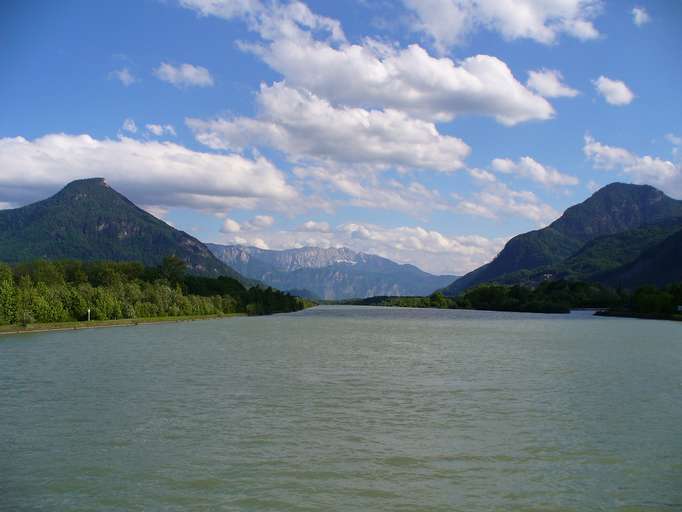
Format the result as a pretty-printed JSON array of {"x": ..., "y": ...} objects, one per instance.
[
  {"x": 89, "y": 220},
  {"x": 623, "y": 235},
  {"x": 334, "y": 273}
]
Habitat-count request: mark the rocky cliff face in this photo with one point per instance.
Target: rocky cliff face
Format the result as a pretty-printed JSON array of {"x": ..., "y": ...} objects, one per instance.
[{"x": 334, "y": 273}]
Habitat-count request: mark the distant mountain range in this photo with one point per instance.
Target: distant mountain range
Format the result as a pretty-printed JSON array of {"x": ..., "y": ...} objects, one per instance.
[
  {"x": 335, "y": 273},
  {"x": 88, "y": 220},
  {"x": 623, "y": 235}
]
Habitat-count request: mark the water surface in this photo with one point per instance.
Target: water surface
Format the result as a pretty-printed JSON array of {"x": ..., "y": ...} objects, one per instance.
[{"x": 346, "y": 408}]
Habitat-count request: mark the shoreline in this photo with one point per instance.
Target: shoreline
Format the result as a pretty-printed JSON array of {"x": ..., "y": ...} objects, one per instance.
[
  {"x": 100, "y": 324},
  {"x": 640, "y": 316}
]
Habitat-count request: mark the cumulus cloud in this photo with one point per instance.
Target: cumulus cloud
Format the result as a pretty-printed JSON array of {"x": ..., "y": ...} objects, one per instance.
[
  {"x": 184, "y": 75},
  {"x": 369, "y": 190},
  {"x": 481, "y": 175},
  {"x": 315, "y": 226},
  {"x": 161, "y": 129},
  {"x": 533, "y": 170},
  {"x": 497, "y": 200},
  {"x": 372, "y": 75},
  {"x": 663, "y": 174},
  {"x": 261, "y": 221},
  {"x": 149, "y": 172},
  {"x": 615, "y": 92},
  {"x": 230, "y": 226},
  {"x": 447, "y": 22},
  {"x": 548, "y": 83},
  {"x": 640, "y": 16},
  {"x": 305, "y": 126},
  {"x": 129, "y": 125},
  {"x": 124, "y": 76},
  {"x": 377, "y": 75},
  {"x": 275, "y": 20}
]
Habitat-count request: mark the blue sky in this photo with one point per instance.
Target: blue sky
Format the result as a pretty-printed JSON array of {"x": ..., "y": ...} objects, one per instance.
[{"x": 426, "y": 131}]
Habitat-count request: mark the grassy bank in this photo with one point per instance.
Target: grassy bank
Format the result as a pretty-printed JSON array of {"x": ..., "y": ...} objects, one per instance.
[{"x": 94, "y": 324}]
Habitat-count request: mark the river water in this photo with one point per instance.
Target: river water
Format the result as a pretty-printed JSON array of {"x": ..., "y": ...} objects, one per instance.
[{"x": 349, "y": 409}]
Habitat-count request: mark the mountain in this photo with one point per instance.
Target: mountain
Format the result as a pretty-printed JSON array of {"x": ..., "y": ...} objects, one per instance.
[
  {"x": 659, "y": 265},
  {"x": 599, "y": 256},
  {"x": 89, "y": 220},
  {"x": 335, "y": 273},
  {"x": 617, "y": 208}
]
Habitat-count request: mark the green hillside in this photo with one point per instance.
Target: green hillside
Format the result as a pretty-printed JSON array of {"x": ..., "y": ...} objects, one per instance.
[
  {"x": 581, "y": 242},
  {"x": 88, "y": 220}
]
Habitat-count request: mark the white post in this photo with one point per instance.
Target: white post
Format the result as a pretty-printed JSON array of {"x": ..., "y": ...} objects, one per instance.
[{"x": 88, "y": 314}]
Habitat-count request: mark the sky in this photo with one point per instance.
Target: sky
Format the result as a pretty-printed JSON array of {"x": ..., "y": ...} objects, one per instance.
[{"x": 426, "y": 131}]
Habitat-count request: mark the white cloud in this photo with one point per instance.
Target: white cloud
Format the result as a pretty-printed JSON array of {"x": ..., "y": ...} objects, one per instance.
[
  {"x": 258, "y": 223},
  {"x": 374, "y": 75},
  {"x": 377, "y": 75},
  {"x": 160, "y": 129},
  {"x": 369, "y": 190},
  {"x": 448, "y": 22},
  {"x": 5, "y": 206},
  {"x": 497, "y": 200},
  {"x": 275, "y": 20},
  {"x": 129, "y": 125},
  {"x": 663, "y": 174},
  {"x": 184, "y": 75},
  {"x": 149, "y": 172},
  {"x": 124, "y": 76},
  {"x": 157, "y": 211},
  {"x": 262, "y": 221},
  {"x": 640, "y": 16},
  {"x": 230, "y": 226},
  {"x": 533, "y": 170},
  {"x": 592, "y": 186},
  {"x": 316, "y": 227},
  {"x": 615, "y": 92},
  {"x": 675, "y": 140},
  {"x": 547, "y": 83},
  {"x": 305, "y": 126},
  {"x": 482, "y": 175}
]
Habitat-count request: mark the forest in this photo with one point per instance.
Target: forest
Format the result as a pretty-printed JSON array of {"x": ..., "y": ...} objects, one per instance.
[{"x": 61, "y": 291}]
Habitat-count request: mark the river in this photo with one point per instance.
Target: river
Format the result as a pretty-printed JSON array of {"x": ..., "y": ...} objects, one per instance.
[{"x": 347, "y": 409}]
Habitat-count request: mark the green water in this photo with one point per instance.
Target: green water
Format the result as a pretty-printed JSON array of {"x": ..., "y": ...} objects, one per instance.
[{"x": 344, "y": 408}]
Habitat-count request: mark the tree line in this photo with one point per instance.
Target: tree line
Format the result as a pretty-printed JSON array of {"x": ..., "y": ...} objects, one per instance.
[
  {"x": 61, "y": 291},
  {"x": 558, "y": 296}
]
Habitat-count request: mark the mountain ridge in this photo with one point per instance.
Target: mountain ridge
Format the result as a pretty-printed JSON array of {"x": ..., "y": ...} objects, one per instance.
[
  {"x": 613, "y": 209},
  {"x": 329, "y": 273},
  {"x": 89, "y": 220}
]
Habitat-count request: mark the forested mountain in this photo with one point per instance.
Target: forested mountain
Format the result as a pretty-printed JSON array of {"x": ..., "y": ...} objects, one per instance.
[
  {"x": 334, "y": 273},
  {"x": 609, "y": 229},
  {"x": 658, "y": 265},
  {"x": 88, "y": 220}
]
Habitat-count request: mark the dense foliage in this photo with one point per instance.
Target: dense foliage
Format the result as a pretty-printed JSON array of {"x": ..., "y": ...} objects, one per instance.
[
  {"x": 549, "y": 297},
  {"x": 44, "y": 291}
]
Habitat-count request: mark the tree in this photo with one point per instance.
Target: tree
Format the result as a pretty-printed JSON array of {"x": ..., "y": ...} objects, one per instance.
[{"x": 173, "y": 269}]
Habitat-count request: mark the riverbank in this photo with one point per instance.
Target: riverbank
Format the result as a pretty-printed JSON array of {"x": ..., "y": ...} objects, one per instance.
[
  {"x": 641, "y": 316},
  {"x": 97, "y": 324}
]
